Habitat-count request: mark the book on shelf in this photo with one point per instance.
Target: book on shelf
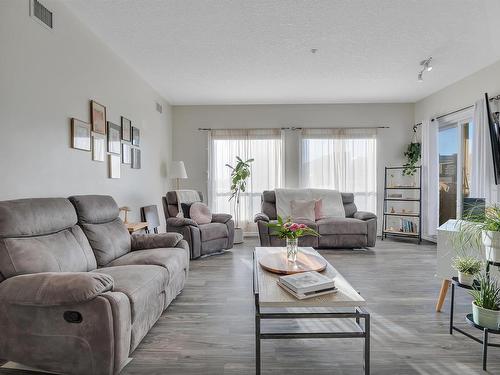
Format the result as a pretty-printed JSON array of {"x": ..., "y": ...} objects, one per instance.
[
  {"x": 408, "y": 226},
  {"x": 305, "y": 282}
]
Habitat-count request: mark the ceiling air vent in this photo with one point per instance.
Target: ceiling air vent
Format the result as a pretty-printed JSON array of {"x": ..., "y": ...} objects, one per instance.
[
  {"x": 159, "y": 107},
  {"x": 41, "y": 14}
]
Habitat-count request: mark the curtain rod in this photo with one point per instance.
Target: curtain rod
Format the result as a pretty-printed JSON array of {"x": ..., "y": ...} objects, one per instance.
[
  {"x": 497, "y": 97},
  {"x": 297, "y": 128}
]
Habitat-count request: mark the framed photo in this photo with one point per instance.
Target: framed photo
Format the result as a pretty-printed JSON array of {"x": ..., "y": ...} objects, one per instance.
[
  {"x": 136, "y": 136},
  {"x": 98, "y": 147},
  {"x": 80, "y": 135},
  {"x": 136, "y": 158},
  {"x": 114, "y": 134},
  {"x": 126, "y": 153},
  {"x": 126, "y": 129},
  {"x": 98, "y": 117},
  {"x": 114, "y": 166}
]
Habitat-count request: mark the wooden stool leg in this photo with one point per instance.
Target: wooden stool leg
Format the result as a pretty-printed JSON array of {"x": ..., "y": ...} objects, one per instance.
[{"x": 442, "y": 294}]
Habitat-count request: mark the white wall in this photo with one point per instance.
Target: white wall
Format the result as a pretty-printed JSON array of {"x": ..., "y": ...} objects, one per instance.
[
  {"x": 460, "y": 94},
  {"x": 47, "y": 77},
  {"x": 191, "y": 144}
]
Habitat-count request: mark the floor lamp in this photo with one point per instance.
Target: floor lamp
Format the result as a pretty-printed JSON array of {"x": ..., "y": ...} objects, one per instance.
[{"x": 177, "y": 171}]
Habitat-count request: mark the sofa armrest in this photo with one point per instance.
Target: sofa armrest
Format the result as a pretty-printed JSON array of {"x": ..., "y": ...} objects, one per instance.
[
  {"x": 153, "y": 241},
  {"x": 54, "y": 288},
  {"x": 221, "y": 218},
  {"x": 261, "y": 217},
  {"x": 362, "y": 215},
  {"x": 180, "y": 222}
]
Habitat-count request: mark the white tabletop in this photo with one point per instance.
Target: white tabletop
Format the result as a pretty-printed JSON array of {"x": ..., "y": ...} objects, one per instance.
[{"x": 272, "y": 295}]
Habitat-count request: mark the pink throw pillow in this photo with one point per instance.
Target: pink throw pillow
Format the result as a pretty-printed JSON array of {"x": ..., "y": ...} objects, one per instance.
[
  {"x": 200, "y": 213},
  {"x": 302, "y": 209},
  {"x": 318, "y": 209}
]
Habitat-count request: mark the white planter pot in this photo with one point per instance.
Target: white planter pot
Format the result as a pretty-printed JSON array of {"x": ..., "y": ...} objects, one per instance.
[
  {"x": 486, "y": 318},
  {"x": 465, "y": 279},
  {"x": 491, "y": 242},
  {"x": 238, "y": 235}
]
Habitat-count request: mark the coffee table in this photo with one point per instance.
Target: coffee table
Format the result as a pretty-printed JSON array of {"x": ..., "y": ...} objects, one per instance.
[{"x": 272, "y": 302}]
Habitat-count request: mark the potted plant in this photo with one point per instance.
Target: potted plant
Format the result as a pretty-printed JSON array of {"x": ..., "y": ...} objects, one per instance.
[
  {"x": 412, "y": 154},
  {"x": 486, "y": 303},
  {"x": 482, "y": 229},
  {"x": 467, "y": 267},
  {"x": 291, "y": 232},
  {"x": 239, "y": 176}
]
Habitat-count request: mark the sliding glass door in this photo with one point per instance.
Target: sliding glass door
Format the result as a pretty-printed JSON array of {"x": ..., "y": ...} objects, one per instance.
[{"x": 455, "y": 155}]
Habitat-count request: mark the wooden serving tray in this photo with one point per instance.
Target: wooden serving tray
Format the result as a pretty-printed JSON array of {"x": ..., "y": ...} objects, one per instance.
[{"x": 278, "y": 263}]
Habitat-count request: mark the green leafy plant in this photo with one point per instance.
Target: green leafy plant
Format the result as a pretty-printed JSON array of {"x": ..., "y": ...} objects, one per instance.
[
  {"x": 486, "y": 293},
  {"x": 289, "y": 229},
  {"x": 467, "y": 264},
  {"x": 239, "y": 176},
  {"x": 471, "y": 228},
  {"x": 412, "y": 154}
]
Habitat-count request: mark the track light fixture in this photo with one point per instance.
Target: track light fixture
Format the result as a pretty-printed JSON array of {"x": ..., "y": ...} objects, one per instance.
[{"x": 426, "y": 66}]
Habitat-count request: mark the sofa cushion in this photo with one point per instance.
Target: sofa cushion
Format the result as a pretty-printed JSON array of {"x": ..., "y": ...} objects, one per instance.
[
  {"x": 98, "y": 217},
  {"x": 142, "y": 284},
  {"x": 35, "y": 217},
  {"x": 175, "y": 260},
  {"x": 146, "y": 289},
  {"x": 41, "y": 235},
  {"x": 213, "y": 231},
  {"x": 335, "y": 225},
  {"x": 200, "y": 213},
  {"x": 303, "y": 209}
]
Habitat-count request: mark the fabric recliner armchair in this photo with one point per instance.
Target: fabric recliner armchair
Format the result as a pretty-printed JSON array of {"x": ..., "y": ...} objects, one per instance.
[
  {"x": 77, "y": 292},
  {"x": 203, "y": 239}
]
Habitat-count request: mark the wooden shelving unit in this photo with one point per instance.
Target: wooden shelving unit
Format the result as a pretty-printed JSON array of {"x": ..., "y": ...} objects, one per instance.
[{"x": 415, "y": 215}]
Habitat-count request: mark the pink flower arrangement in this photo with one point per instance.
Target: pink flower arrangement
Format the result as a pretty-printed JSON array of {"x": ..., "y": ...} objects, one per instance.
[{"x": 291, "y": 230}]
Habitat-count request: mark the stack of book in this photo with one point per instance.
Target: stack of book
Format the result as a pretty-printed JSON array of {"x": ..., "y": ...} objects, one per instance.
[
  {"x": 408, "y": 226},
  {"x": 307, "y": 284}
]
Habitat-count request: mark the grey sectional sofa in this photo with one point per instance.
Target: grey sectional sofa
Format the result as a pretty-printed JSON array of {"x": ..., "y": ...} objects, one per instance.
[
  {"x": 357, "y": 229},
  {"x": 204, "y": 239},
  {"x": 77, "y": 292}
]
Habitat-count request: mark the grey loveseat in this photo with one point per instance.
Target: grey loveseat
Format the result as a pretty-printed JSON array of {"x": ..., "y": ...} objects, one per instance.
[
  {"x": 203, "y": 239},
  {"x": 357, "y": 229},
  {"x": 77, "y": 292}
]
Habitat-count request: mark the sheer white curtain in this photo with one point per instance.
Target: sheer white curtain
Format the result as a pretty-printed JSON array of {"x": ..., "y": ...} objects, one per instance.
[
  {"x": 263, "y": 145},
  {"x": 341, "y": 159},
  {"x": 430, "y": 178},
  {"x": 482, "y": 178}
]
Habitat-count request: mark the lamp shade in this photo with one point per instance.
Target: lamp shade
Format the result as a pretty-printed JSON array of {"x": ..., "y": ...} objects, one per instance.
[{"x": 177, "y": 170}]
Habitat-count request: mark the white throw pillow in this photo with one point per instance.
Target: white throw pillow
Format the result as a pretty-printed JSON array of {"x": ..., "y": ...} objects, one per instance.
[{"x": 302, "y": 209}]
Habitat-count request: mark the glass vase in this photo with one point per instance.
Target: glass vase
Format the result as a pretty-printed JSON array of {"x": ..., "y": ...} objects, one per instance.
[{"x": 292, "y": 249}]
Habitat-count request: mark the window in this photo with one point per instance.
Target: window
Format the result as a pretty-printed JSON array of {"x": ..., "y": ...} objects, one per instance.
[
  {"x": 455, "y": 163},
  {"x": 341, "y": 159},
  {"x": 263, "y": 145}
]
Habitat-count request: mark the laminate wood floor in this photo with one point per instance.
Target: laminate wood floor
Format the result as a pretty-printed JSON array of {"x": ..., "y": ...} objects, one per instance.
[{"x": 209, "y": 328}]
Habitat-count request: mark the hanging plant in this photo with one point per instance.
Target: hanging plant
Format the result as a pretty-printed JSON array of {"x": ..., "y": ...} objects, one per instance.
[{"x": 412, "y": 154}]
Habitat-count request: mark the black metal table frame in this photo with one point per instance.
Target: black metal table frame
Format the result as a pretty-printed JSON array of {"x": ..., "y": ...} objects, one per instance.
[
  {"x": 358, "y": 314},
  {"x": 486, "y": 331}
]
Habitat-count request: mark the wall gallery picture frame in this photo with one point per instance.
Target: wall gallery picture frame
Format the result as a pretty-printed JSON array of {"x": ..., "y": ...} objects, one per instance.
[
  {"x": 98, "y": 147},
  {"x": 136, "y": 158},
  {"x": 114, "y": 166},
  {"x": 98, "y": 117},
  {"x": 114, "y": 135},
  {"x": 80, "y": 135},
  {"x": 126, "y": 129},
  {"x": 126, "y": 153},
  {"x": 136, "y": 136}
]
